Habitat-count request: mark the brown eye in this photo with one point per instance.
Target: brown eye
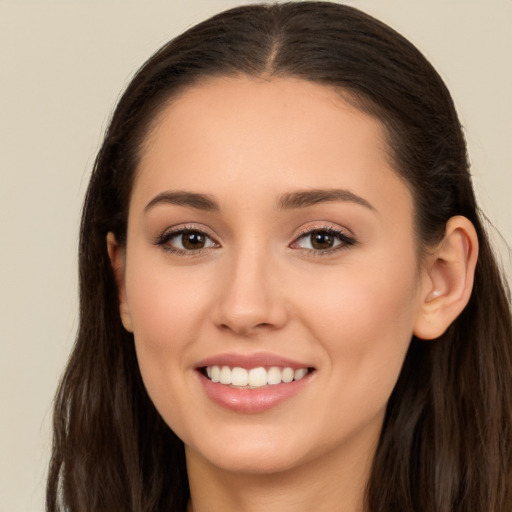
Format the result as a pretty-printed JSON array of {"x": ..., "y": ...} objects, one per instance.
[
  {"x": 193, "y": 240},
  {"x": 323, "y": 240},
  {"x": 186, "y": 240}
]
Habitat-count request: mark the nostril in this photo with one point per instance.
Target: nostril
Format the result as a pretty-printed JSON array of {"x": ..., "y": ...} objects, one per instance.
[{"x": 247, "y": 329}]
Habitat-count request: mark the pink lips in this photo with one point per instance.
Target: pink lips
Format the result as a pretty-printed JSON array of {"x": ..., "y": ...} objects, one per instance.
[
  {"x": 251, "y": 361},
  {"x": 250, "y": 401}
]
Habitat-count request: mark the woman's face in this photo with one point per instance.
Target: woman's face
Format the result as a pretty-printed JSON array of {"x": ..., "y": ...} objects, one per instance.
[{"x": 268, "y": 232}]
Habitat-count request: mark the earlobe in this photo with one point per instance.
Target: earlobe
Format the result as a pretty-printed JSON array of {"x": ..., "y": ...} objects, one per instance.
[
  {"x": 448, "y": 279},
  {"x": 117, "y": 260}
]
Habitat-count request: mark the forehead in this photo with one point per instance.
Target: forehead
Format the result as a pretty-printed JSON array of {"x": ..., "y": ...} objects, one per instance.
[
  {"x": 252, "y": 104},
  {"x": 265, "y": 135}
]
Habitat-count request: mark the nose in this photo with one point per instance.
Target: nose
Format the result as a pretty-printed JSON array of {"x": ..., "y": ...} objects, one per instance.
[{"x": 251, "y": 297}]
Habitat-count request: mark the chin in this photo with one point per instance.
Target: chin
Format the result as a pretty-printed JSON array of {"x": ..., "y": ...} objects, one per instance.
[
  {"x": 255, "y": 464},
  {"x": 257, "y": 456}
]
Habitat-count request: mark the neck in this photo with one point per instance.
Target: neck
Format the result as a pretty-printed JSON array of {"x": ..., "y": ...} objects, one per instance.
[{"x": 337, "y": 482}]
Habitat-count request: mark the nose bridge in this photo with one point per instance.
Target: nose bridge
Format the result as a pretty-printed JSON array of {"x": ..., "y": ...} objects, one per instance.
[{"x": 251, "y": 294}]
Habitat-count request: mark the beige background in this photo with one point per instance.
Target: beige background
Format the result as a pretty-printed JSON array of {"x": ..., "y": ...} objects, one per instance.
[{"x": 62, "y": 67}]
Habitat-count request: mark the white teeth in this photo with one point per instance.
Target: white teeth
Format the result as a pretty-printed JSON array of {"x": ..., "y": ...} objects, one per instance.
[
  {"x": 258, "y": 377},
  {"x": 215, "y": 370},
  {"x": 301, "y": 372},
  {"x": 255, "y": 377},
  {"x": 274, "y": 375},
  {"x": 288, "y": 375},
  {"x": 239, "y": 377},
  {"x": 225, "y": 375}
]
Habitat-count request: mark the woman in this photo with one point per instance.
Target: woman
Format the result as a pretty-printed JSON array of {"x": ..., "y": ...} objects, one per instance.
[{"x": 288, "y": 300}]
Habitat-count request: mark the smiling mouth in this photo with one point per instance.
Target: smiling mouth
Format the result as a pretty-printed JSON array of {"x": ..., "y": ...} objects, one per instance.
[{"x": 253, "y": 378}]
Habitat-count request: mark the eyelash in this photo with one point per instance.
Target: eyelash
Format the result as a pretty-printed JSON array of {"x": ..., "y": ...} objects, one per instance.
[
  {"x": 344, "y": 240},
  {"x": 164, "y": 239}
]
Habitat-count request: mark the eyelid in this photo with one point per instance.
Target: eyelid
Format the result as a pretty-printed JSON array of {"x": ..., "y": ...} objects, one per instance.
[
  {"x": 344, "y": 235},
  {"x": 324, "y": 226},
  {"x": 174, "y": 231}
]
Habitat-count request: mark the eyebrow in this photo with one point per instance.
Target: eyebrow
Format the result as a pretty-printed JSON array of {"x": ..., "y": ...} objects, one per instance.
[
  {"x": 288, "y": 201},
  {"x": 182, "y": 198},
  {"x": 304, "y": 198}
]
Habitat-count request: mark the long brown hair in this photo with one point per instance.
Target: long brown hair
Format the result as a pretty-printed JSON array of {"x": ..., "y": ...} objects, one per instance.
[{"x": 447, "y": 436}]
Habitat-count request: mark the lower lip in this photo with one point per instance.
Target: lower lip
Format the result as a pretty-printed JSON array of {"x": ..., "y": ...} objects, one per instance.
[{"x": 250, "y": 401}]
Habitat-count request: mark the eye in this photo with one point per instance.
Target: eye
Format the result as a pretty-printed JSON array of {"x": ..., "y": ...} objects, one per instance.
[
  {"x": 186, "y": 240},
  {"x": 323, "y": 240}
]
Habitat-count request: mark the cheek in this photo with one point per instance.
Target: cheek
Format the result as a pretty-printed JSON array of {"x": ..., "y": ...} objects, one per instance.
[
  {"x": 166, "y": 305},
  {"x": 167, "y": 308},
  {"x": 364, "y": 317}
]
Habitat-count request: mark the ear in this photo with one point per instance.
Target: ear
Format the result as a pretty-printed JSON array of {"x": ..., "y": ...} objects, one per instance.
[
  {"x": 447, "y": 279},
  {"x": 117, "y": 260}
]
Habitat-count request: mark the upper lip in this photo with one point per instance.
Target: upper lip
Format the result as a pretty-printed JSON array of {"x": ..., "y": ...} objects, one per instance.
[{"x": 248, "y": 361}]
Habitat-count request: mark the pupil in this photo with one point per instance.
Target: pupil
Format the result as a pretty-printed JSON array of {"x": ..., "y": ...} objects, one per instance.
[
  {"x": 322, "y": 240},
  {"x": 193, "y": 241}
]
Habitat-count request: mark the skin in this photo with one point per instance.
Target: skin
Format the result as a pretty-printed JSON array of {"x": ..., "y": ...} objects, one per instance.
[{"x": 259, "y": 286}]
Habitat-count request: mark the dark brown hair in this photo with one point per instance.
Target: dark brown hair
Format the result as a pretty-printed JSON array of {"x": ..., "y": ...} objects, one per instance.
[{"x": 446, "y": 440}]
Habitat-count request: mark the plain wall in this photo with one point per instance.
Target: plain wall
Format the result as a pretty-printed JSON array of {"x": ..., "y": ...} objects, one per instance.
[{"x": 62, "y": 67}]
